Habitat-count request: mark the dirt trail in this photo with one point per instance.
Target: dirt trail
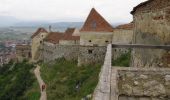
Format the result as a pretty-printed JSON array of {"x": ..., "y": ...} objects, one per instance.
[{"x": 41, "y": 82}]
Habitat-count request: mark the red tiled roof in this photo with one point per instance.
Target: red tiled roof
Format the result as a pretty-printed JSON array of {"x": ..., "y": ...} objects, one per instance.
[
  {"x": 70, "y": 30},
  {"x": 39, "y": 31},
  {"x": 23, "y": 47},
  {"x": 125, "y": 26},
  {"x": 140, "y": 5},
  {"x": 95, "y": 22},
  {"x": 54, "y": 37},
  {"x": 69, "y": 35}
]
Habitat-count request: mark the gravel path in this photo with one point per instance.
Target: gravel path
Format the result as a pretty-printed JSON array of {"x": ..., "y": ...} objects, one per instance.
[{"x": 41, "y": 82}]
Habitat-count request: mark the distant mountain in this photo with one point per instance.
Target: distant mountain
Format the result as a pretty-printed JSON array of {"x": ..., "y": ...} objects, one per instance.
[
  {"x": 46, "y": 24},
  {"x": 6, "y": 21},
  {"x": 58, "y": 26}
]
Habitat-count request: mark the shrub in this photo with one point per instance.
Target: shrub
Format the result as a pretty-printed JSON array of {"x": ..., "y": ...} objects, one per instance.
[{"x": 123, "y": 60}]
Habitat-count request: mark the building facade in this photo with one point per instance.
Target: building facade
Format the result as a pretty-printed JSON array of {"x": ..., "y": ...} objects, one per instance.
[{"x": 37, "y": 41}]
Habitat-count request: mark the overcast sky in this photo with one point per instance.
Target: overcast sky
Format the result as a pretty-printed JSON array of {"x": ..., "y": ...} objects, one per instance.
[{"x": 67, "y": 10}]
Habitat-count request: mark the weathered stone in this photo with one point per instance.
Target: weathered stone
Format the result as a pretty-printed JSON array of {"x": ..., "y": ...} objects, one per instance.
[
  {"x": 130, "y": 75},
  {"x": 155, "y": 99},
  {"x": 136, "y": 83},
  {"x": 137, "y": 91},
  {"x": 123, "y": 98},
  {"x": 168, "y": 65},
  {"x": 144, "y": 98},
  {"x": 127, "y": 89},
  {"x": 131, "y": 98},
  {"x": 167, "y": 78},
  {"x": 143, "y": 76},
  {"x": 154, "y": 88}
]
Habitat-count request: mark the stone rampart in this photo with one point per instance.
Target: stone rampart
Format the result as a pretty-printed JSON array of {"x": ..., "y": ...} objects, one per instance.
[
  {"x": 52, "y": 52},
  {"x": 91, "y": 55}
]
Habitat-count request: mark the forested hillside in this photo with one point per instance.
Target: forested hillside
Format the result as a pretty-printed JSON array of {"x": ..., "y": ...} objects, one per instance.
[{"x": 16, "y": 82}]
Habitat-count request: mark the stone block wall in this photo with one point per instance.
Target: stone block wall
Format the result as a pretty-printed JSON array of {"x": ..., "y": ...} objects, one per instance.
[
  {"x": 141, "y": 84},
  {"x": 152, "y": 27},
  {"x": 91, "y": 55},
  {"x": 52, "y": 52}
]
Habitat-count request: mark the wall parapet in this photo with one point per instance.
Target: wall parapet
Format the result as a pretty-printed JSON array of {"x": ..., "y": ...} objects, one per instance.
[
  {"x": 103, "y": 89},
  {"x": 140, "y": 83}
]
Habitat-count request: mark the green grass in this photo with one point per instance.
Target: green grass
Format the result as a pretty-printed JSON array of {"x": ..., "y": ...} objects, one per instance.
[
  {"x": 33, "y": 93},
  {"x": 61, "y": 79},
  {"x": 123, "y": 60}
]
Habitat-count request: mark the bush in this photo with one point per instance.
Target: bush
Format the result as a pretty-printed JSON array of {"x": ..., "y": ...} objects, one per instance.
[
  {"x": 123, "y": 60},
  {"x": 15, "y": 79}
]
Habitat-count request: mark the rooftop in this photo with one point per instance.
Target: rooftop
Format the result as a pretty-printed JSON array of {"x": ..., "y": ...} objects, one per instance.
[
  {"x": 39, "y": 31},
  {"x": 54, "y": 37},
  {"x": 125, "y": 26},
  {"x": 95, "y": 22}
]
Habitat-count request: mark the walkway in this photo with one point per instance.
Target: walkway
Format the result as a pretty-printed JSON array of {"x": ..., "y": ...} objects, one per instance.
[{"x": 41, "y": 82}]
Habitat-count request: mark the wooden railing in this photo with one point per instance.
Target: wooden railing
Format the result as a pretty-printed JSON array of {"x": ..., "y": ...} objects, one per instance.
[{"x": 142, "y": 46}]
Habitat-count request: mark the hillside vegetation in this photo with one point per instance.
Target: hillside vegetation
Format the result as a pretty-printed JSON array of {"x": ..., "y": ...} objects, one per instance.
[
  {"x": 17, "y": 82},
  {"x": 66, "y": 81}
]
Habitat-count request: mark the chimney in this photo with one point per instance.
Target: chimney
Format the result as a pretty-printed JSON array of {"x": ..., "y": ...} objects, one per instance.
[{"x": 50, "y": 28}]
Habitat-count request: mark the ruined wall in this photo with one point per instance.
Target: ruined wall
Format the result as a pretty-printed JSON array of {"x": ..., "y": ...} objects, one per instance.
[
  {"x": 91, "y": 55},
  {"x": 152, "y": 27},
  {"x": 95, "y": 38},
  {"x": 142, "y": 84},
  {"x": 55, "y": 51}
]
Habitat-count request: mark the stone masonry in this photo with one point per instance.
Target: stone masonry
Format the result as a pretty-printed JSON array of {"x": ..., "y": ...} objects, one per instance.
[
  {"x": 52, "y": 52},
  {"x": 152, "y": 27},
  {"x": 141, "y": 84}
]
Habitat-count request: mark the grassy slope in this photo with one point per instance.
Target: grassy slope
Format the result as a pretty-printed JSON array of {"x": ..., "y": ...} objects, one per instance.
[
  {"x": 62, "y": 77},
  {"x": 32, "y": 93}
]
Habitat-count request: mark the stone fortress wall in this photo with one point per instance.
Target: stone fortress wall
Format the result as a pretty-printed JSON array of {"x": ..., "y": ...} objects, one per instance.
[
  {"x": 152, "y": 27},
  {"x": 91, "y": 55},
  {"x": 92, "y": 48},
  {"x": 52, "y": 52}
]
